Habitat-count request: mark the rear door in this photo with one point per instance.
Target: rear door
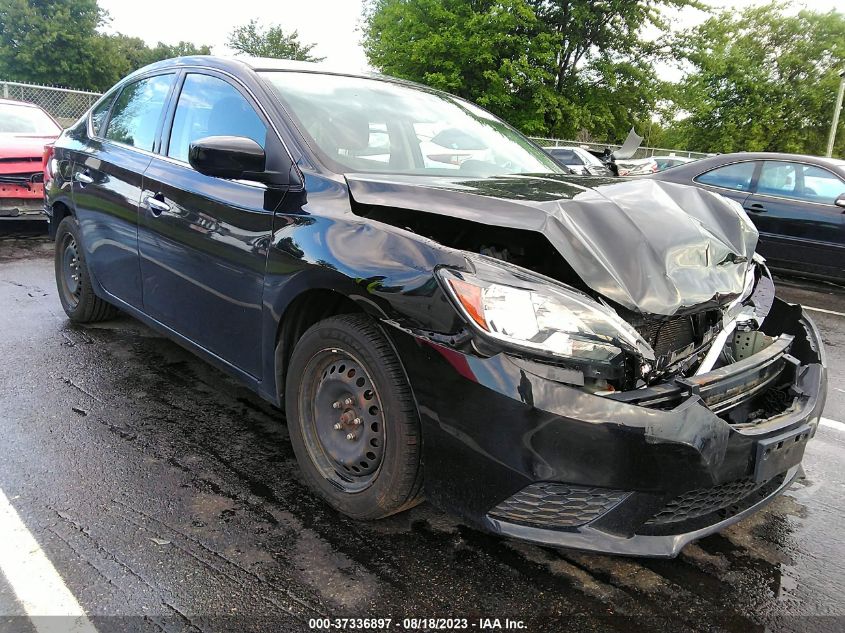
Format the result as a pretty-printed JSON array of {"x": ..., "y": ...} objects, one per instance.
[
  {"x": 204, "y": 240},
  {"x": 107, "y": 174},
  {"x": 800, "y": 226}
]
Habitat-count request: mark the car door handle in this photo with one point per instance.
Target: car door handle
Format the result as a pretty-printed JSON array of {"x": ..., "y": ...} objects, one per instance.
[
  {"x": 83, "y": 178},
  {"x": 156, "y": 206},
  {"x": 756, "y": 207}
]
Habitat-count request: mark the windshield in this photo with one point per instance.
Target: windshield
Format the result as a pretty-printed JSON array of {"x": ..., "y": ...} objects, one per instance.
[
  {"x": 21, "y": 119},
  {"x": 368, "y": 125}
]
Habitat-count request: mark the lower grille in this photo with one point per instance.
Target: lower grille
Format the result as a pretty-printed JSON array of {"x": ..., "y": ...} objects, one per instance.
[
  {"x": 555, "y": 505},
  {"x": 704, "y": 501}
]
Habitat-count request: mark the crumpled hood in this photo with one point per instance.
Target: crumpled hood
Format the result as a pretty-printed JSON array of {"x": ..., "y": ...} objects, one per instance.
[{"x": 651, "y": 246}]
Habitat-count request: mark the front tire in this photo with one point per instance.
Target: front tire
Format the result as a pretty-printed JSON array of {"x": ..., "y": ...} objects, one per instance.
[
  {"x": 352, "y": 420},
  {"x": 73, "y": 278}
]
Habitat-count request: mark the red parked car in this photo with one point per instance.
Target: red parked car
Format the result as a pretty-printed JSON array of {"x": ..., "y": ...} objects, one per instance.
[{"x": 25, "y": 129}]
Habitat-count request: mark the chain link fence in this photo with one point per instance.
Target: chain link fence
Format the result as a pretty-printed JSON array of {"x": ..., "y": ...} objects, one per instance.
[
  {"x": 66, "y": 106},
  {"x": 642, "y": 152}
]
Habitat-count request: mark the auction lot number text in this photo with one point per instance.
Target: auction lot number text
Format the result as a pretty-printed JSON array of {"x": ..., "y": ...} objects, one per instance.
[{"x": 415, "y": 624}]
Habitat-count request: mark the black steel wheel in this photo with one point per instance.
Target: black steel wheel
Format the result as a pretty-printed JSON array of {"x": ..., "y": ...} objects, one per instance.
[
  {"x": 352, "y": 420},
  {"x": 345, "y": 431},
  {"x": 70, "y": 284},
  {"x": 73, "y": 279}
]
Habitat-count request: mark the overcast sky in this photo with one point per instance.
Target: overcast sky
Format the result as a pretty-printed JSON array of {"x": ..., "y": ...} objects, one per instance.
[{"x": 333, "y": 25}]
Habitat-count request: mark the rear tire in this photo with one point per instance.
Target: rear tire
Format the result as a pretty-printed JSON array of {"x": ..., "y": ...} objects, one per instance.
[
  {"x": 73, "y": 278},
  {"x": 352, "y": 419}
]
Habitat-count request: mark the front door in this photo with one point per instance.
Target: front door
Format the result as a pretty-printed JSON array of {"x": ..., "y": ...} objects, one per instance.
[
  {"x": 800, "y": 226},
  {"x": 203, "y": 240}
]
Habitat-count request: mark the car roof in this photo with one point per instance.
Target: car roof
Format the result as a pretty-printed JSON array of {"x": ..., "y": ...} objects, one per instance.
[
  {"x": 807, "y": 158},
  {"x": 712, "y": 162},
  {"x": 258, "y": 64}
]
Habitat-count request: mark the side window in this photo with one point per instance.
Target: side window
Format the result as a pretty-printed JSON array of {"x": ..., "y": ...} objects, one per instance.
[
  {"x": 820, "y": 185},
  {"x": 98, "y": 115},
  {"x": 778, "y": 178},
  {"x": 209, "y": 106},
  {"x": 136, "y": 112},
  {"x": 735, "y": 176}
]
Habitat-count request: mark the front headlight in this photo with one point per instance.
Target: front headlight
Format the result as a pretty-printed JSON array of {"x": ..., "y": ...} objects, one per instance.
[{"x": 527, "y": 311}]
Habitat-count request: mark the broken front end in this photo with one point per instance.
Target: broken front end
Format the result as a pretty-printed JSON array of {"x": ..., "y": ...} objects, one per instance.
[
  {"x": 622, "y": 378},
  {"x": 560, "y": 419}
]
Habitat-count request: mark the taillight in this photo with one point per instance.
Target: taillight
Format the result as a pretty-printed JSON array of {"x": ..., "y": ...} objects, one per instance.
[
  {"x": 46, "y": 160},
  {"x": 654, "y": 168}
]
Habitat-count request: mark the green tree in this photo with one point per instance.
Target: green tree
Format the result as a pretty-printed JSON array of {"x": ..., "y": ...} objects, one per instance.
[
  {"x": 493, "y": 53},
  {"x": 130, "y": 53},
  {"x": 251, "y": 39},
  {"x": 57, "y": 42},
  {"x": 558, "y": 67},
  {"x": 54, "y": 42},
  {"x": 763, "y": 81}
]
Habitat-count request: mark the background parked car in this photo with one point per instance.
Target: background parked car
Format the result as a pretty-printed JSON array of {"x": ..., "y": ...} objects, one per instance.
[
  {"x": 797, "y": 203},
  {"x": 635, "y": 166},
  {"x": 24, "y": 130},
  {"x": 667, "y": 162},
  {"x": 578, "y": 160}
]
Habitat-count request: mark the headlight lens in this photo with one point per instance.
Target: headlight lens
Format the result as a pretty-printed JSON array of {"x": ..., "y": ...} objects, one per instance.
[{"x": 515, "y": 307}]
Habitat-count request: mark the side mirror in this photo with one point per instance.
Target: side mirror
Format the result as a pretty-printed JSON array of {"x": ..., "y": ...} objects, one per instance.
[
  {"x": 228, "y": 157},
  {"x": 840, "y": 201}
]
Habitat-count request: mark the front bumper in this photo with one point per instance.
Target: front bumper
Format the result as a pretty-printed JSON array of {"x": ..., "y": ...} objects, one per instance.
[
  {"x": 21, "y": 202},
  {"x": 512, "y": 448}
]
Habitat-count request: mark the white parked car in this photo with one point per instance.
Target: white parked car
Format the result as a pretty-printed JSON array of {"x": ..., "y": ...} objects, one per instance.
[
  {"x": 667, "y": 162},
  {"x": 636, "y": 166},
  {"x": 578, "y": 160}
]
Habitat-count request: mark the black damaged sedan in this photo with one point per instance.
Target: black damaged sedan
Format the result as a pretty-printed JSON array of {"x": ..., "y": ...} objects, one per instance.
[{"x": 441, "y": 311}]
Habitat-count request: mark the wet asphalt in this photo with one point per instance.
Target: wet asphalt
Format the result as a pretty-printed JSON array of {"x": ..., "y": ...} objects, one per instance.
[{"x": 167, "y": 497}]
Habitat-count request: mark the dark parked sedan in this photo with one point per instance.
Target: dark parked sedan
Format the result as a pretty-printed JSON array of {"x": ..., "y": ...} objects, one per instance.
[
  {"x": 796, "y": 202},
  {"x": 601, "y": 366}
]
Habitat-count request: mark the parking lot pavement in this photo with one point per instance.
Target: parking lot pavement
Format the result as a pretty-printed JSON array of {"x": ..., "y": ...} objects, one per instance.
[{"x": 166, "y": 498}]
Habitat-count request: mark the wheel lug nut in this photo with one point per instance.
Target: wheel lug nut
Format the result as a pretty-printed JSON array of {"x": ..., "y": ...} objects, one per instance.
[
  {"x": 336, "y": 405},
  {"x": 338, "y": 426},
  {"x": 356, "y": 421},
  {"x": 350, "y": 436},
  {"x": 348, "y": 402}
]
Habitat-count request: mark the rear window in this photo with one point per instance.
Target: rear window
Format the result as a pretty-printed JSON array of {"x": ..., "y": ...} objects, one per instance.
[
  {"x": 24, "y": 119},
  {"x": 136, "y": 113},
  {"x": 566, "y": 156},
  {"x": 99, "y": 114},
  {"x": 734, "y": 176}
]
